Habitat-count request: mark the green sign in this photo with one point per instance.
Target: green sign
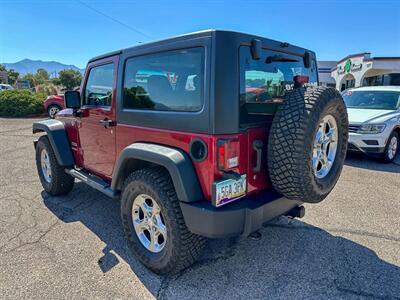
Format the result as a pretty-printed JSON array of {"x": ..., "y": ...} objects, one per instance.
[{"x": 347, "y": 66}]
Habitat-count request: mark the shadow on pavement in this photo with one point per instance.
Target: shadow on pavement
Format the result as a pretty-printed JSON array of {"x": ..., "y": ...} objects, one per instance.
[
  {"x": 291, "y": 260},
  {"x": 359, "y": 160}
]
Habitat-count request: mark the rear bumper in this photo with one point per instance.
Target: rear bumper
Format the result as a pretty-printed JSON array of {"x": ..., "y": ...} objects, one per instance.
[{"x": 238, "y": 218}]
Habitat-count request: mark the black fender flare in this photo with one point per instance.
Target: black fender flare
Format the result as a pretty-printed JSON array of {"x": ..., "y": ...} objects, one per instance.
[
  {"x": 58, "y": 138},
  {"x": 177, "y": 162}
]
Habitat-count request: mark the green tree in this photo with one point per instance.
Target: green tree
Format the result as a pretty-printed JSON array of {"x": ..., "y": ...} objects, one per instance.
[
  {"x": 2, "y": 69},
  {"x": 56, "y": 81},
  {"x": 12, "y": 76},
  {"x": 70, "y": 78},
  {"x": 41, "y": 76}
]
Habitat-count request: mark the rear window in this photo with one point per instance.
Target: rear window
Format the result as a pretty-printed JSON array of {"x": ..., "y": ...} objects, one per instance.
[
  {"x": 273, "y": 74},
  {"x": 372, "y": 99},
  {"x": 167, "y": 81},
  {"x": 267, "y": 79}
]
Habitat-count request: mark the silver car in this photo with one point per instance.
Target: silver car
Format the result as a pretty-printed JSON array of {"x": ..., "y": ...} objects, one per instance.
[{"x": 374, "y": 118}]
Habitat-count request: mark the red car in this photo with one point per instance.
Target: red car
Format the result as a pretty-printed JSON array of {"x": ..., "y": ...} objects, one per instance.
[
  {"x": 53, "y": 104},
  {"x": 192, "y": 158}
]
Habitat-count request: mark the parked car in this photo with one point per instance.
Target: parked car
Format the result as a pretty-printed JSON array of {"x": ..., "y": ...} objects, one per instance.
[
  {"x": 374, "y": 117},
  {"x": 188, "y": 154},
  {"x": 5, "y": 87},
  {"x": 53, "y": 104}
]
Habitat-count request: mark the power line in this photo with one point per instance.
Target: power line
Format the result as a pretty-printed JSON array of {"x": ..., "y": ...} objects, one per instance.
[{"x": 113, "y": 19}]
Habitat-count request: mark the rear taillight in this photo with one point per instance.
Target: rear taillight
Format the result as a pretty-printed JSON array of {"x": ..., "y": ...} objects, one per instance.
[
  {"x": 227, "y": 154},
  {"x": 301, "y": 79}
]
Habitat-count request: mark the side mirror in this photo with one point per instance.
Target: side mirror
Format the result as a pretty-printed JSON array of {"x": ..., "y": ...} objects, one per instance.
[{"x": 72, "y": 99}]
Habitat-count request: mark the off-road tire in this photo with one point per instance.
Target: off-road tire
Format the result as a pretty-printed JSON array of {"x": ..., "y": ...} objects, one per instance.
[
  {"x": 291, "y": 140},
  {"x": 61, "y": 183},
  {"x": 385, "y": 156},
  {"x": 182, "y": 247}
]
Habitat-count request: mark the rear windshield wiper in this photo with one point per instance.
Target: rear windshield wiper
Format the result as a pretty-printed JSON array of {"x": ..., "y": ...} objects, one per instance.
[{"x": 280, "y": 58}]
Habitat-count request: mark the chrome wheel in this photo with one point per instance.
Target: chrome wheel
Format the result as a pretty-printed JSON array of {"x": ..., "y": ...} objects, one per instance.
[
  {"x": 46, "y": 167},
  {"x": 149, "y": 223},
  {"x": 392, "y": 149},
  {"x": 53, "y": 110},
  {"x": 325, "y": 146}
]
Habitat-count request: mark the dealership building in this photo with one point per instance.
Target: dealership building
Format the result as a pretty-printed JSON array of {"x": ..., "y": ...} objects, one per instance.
[{"x": 360, "y": 70}]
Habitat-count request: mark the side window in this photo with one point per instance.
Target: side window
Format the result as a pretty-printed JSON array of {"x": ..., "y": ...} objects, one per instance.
[
  {"x": 99, "y": 86},
  {"x": 167, "y": 81}
]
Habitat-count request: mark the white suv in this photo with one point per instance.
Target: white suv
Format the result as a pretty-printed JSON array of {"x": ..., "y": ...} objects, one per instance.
[{"x": 374, "y": 118}]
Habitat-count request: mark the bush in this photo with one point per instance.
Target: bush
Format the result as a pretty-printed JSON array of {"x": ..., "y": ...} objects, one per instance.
[
  {"x": 48, "y": 89},
  {"x": 21, "y": 103}
]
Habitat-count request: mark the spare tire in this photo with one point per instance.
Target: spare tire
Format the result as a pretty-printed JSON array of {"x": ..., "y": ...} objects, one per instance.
[{"x": 308, "y": 143}]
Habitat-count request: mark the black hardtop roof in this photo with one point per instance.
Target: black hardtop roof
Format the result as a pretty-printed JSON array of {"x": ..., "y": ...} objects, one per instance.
[{"x": 191, "y": 35}]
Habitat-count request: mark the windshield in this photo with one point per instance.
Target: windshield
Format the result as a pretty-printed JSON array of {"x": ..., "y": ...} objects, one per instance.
[{"x": 388, "y": 100}]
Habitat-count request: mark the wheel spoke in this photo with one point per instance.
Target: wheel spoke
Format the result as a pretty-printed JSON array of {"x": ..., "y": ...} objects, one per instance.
[
  {"x": 328, "y": 138},
  {"x": 153, "y": 242},
  {"x": 318, "y": 137},
  {"x": 315, "y": 159},
  {"x": 161, "y": 229},
  {"x": 148, "y": 210},
  {"x": 140, "y": 225}
]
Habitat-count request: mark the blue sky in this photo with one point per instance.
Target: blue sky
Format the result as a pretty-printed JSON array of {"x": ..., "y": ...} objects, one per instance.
[{"x": 70, "y": 32}]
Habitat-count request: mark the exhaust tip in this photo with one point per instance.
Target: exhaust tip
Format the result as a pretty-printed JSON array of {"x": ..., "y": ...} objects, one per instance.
[{"x": 297, "y": 212}]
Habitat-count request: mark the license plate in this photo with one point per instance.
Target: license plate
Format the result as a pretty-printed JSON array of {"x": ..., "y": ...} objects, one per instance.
[{"x": 229, "y": 190}]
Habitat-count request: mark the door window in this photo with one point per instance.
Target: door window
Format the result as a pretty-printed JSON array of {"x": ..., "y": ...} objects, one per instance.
[{"x": 99, "y": 86}]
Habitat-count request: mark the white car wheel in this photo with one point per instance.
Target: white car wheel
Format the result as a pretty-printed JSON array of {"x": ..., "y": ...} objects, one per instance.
[{"x": 392, "y": 147}]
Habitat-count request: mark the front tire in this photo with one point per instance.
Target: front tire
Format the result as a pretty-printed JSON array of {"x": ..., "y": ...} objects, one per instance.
[
  {"x": 148, "y": 203},
  {"x": 52, "y": 176},
  {"x": 308, "y": 143},
  {"x": 391, "y": 148}
]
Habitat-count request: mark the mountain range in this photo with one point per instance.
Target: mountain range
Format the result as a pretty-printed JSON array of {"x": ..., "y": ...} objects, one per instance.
[{"x": 30, "y": 66}]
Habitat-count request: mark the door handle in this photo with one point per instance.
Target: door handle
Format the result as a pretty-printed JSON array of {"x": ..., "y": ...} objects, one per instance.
[
  {"x": 106, "y": 123},
  {"x": 257, "y": 146}
]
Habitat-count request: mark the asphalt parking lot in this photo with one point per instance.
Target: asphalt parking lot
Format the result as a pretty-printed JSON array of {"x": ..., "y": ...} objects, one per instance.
[{"x": 72, "y": 247}]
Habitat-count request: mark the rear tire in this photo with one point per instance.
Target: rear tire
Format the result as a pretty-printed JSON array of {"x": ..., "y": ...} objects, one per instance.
[
  {"x": 293, "y": 140},
  {"x": 52, "y": 176},
  {"x": 392, "y": 148},
  {"x": 179, "y": 248}
]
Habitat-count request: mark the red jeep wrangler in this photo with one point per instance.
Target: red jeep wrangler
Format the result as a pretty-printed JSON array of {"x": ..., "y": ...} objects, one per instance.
[{"x": 205, "y": 135}]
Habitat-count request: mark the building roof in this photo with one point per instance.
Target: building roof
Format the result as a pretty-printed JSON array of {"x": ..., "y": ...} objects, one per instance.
[
  {"x": 352, "y": 56},
  {"x": 384, "y": 58},
  {"x": 376, "y": 58}
]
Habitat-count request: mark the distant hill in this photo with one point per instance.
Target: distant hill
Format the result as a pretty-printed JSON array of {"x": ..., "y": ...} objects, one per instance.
[{"x": 30, "y": 66}]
